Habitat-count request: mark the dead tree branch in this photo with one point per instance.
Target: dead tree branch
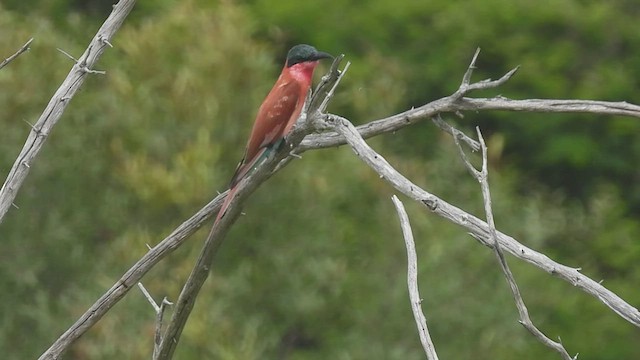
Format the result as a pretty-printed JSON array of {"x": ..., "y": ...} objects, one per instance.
[
  {"x": 159, "y": 310},
  {"x": 412, "y": 281},
  {"x": 23, "y": 49},
  {"x": 478, "y": 228},
  {"x": 483, "y": 178},
  {"x": 58, "y": 103}
]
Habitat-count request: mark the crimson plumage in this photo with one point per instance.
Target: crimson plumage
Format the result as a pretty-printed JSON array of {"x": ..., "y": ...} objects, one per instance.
[{"x": 278, "y": 113}]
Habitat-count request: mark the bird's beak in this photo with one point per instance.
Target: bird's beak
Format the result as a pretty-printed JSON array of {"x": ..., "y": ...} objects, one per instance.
[{"x": 322, "y": 55}]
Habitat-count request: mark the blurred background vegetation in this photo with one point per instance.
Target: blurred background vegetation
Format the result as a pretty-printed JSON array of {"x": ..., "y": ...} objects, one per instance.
[{"x": 316, "y": 268}]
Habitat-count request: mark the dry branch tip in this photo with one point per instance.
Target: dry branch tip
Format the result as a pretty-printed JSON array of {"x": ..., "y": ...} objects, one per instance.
[
  {"x": 466, "y": 79},
  {"x": 68, "y": 55},
  {"x": 20, "y": 51}
]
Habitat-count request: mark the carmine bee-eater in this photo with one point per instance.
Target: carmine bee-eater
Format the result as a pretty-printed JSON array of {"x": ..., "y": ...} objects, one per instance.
[{"x": 278, "y": 112}]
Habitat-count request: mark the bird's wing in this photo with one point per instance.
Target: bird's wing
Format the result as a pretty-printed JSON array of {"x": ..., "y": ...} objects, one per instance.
[{"x": 273, "y": 116}]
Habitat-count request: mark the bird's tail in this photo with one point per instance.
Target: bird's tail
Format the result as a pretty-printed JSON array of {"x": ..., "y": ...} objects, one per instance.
[
  {"x": 245, "y": 169},
  {"x": 225, "y": 204},
  {"x": 242, "y": 171}
]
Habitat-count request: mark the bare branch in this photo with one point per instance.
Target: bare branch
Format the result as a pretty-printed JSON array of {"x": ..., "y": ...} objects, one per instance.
[
  {"x": 457, "y": 134},
  {"x": 131, "y": 278},
  {"x": 159, "y": 310},
  {"x": 466, "y": 79},
  {"x": 451, "y": 104},
  {"x": 412, "y": 281},
  {"x": 329, "y": 96},
  {"x": 321, "y": 92},
  {"x": 466, "y": 86},
  {"x": 59, "y": 102},
  {"x": 551, "y": 106},
  {"x": 23, "y": 49},
  {"x": 68, "y": 55},
  {"x": 157, "y": 340},
  {"x": 146, "y": 294},
  {"x": 478, "y": 228},
  {"x": 483, "y": 178},
  {"x": 472, "y": 170},
  {"x": 201, "y": 269}
]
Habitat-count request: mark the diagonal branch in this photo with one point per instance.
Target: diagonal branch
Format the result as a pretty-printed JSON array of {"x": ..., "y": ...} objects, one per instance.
[
  {"x": 23, "y": 49},
  {"x": 130, "y": 278},
  {"x": 483, "y": 178},
  {"x": 58, "y": 103},
  {"x": 455, "y": 133},
  {"x": 478, "y": 228}
]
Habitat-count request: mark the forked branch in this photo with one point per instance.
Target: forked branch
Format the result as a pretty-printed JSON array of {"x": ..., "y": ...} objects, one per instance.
[
  {"x": 483, "y": 178},
  {"x": 159, "y": 310}
]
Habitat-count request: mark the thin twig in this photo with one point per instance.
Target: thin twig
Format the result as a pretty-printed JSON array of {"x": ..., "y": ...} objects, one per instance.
[
  {"x": 157, "y": 339},
  {"x": 75, "y": 61},
  {"x": 321, "y": 92},
  {"x": 412, "y": 281},
  {"x": 20, "y": 51},
  {"x": 329, "y": 96},
  {"x": 466, "y": 78},
  {"x": 146, "y": 294},
  {"x": 594, "y": 107},
  {"x": 457, "y": 134},
  {"x": 159, "y": 310},
  {"x": 483, "y": 178}
]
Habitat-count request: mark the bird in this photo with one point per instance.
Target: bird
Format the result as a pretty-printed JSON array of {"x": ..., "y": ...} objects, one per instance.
[{"x": 278, "y": 112}]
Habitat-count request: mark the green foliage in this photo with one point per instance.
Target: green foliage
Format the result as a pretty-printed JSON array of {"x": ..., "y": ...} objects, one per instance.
[{"x": 142, "y": 148}]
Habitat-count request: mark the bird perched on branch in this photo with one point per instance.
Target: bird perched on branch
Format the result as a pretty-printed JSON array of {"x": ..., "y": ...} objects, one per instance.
[{"x": 278, "y": 112}]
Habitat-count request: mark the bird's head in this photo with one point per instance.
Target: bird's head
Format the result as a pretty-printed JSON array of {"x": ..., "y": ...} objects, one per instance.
[{"x": 305, "y": 53}]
